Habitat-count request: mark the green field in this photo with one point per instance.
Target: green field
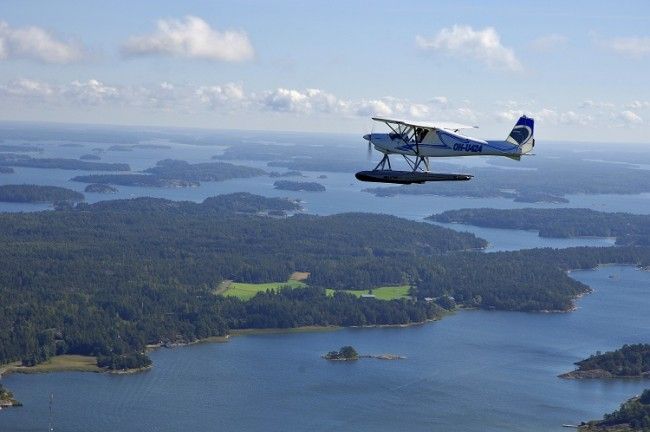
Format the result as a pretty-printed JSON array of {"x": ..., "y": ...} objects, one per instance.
[
  {"x": 381, "y": 293},
  {"x": 245, "y": 291}
]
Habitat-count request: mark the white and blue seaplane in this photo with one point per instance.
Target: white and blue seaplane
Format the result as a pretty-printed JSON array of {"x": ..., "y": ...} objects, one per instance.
[{"x": 417, "y": 141}]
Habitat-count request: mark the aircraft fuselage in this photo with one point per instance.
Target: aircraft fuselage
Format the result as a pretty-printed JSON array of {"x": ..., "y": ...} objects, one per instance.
[{"x": 441, "y": 143}]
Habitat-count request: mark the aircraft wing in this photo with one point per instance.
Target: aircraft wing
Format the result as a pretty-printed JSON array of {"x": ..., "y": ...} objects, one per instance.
[{"x": 424, "y": 125}]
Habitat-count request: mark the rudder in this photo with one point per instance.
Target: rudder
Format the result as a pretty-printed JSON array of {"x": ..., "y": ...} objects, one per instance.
[{"x": 522, "y": 134}]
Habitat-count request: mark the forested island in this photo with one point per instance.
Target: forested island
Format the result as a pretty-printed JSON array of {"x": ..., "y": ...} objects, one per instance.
[
  {"x": 106, "y": 279},
  {"x": 142, "y": 180},
  {"x": 38, "y": 194},
  {"x": 175, "y": 173},
  {"x": 90, "y": 157},
  {"x": 630, "y": 361},
  {"x": 6, "y": 170},
  {"x": 539, "y": 197},
  {"x": 299, "y": 186},
  {"x": 274, "y": 174},
  {"x": 7, "y": 398},
  {"x": 206, "y": 171},
  {"x": 100, "y": 188},
  {"x": 345, "y": 353},
  {"x": 633, "y": 415},
  {"x": 629, "y": 229},
  {"x": 11, "y": 159}
]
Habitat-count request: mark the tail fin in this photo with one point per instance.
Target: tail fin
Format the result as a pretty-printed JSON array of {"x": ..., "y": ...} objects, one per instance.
[{"x": 522, "y": 134}]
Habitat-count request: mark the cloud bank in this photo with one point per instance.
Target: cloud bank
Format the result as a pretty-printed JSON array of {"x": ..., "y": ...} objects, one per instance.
[{"x": 230, "y": 98}]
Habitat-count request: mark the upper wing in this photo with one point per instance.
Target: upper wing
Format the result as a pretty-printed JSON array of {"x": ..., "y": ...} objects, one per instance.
[{"x": 425, "y": 125}]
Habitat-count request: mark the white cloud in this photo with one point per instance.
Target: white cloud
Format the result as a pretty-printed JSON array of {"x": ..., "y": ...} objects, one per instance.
[
  {"x": 230, "y": 97},
  {"x": 507, "y": 116},
  {"x": 629, "y": 117},
  {"x": 573, "y": 118},
  {"x": 26, "y": 88},
  {"x": 482, "y": 45},
  {"x": 465, "y": 114},
  {"x": 34, "y": 43},
  {"x": 419, "y": 111},
  {"x": 325, "y": 102},
  {"x": 588, "y": 103},
  {"x": 222, "y": 95},
  {"x": 440, "y": 100},
  {"x": 546, "y": 116},
  {"x": 549, "y": 42},
  {"x": 630, "y": 46},
  {"x": 302, "y": 101},
  {"x": 373, "y": 107},
  {"x": 192, "y": 38},
  {"x": 637, "y": 104},
  {"x": 91, "y": 92},
  {"x": 286, "y": 100}
]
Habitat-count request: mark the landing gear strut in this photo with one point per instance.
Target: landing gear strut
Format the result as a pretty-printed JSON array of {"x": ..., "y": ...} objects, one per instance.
[{"x": 382, "y": 163}]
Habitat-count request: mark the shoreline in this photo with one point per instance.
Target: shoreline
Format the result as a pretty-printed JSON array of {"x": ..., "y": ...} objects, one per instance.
[
  {"x": 60, "y": 363},
  {"x": 600, "y": 374},
  {"x": 66, "y": 363}
]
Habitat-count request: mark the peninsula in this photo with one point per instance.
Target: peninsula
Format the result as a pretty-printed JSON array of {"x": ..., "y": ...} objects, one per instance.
[
  {"x": 629, "y": 361},
  {"x": 629, "y": 229},
  {"x": 38, "y": 194}
]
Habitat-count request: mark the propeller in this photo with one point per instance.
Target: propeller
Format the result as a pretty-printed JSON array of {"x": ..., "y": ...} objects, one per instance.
[{"x": 368, "y": 137}]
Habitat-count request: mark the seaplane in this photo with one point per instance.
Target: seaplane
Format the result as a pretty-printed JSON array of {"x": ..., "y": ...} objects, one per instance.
[{"x": 418, "y": 141}]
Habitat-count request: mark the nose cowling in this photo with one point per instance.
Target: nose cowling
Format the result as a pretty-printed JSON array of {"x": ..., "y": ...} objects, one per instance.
[{"x": 366, "y": 137}]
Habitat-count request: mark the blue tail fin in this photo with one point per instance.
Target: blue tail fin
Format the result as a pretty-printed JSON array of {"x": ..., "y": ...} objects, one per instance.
[{"x": 522, "y": 134}]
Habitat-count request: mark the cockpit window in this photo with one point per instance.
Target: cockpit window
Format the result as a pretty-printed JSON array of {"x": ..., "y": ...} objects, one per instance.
[{"x": 421, "y": 134}]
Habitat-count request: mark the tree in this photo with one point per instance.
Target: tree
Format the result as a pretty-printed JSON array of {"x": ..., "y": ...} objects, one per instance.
[{"x": 348, "y": 352}]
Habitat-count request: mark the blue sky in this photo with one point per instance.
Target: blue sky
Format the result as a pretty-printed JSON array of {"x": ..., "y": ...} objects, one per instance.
[{"x": 580, "y": 68}]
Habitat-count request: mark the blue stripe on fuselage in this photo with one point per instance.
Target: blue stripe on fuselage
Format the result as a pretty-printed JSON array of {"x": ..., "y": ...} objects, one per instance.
[{"x": 502, "y": 146}]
